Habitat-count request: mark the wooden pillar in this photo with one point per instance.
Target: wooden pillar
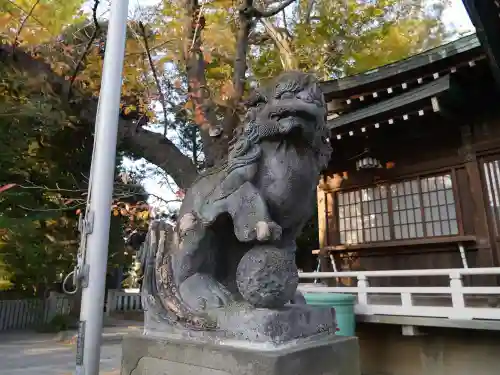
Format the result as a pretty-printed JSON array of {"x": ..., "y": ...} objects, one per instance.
[
  {"x": 328, "y": 224},
  {"x": 486, "y": 256},
  {"x": 322, "y": 226}
]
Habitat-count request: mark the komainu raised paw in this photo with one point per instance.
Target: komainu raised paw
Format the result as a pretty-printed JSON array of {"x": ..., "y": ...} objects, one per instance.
[{"x": 266, "y": 231}]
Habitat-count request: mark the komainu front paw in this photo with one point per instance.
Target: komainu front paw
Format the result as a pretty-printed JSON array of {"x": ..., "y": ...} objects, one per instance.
[{"x": 266, "y": 231}]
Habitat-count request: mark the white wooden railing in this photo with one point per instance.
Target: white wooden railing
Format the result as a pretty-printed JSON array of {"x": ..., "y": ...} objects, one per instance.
[
  {"x": 29, "y": 313},
  {"x": 454, "y": 301},
  {"x": 123, "y": 300}
]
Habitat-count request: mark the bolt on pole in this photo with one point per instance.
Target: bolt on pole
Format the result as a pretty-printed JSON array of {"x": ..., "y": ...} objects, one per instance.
[{"x": 95, "y": 226}]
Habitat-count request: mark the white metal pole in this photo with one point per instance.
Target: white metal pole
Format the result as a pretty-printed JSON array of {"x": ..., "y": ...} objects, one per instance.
[{"x": 97, "y": 218}]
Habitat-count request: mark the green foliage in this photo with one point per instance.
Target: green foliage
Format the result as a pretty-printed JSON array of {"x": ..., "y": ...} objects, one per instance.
[
  {"x": 46, "y": 152},
  {"x": 34, "y": 22},
  {"x": 344, "y": 37},
  {"x": 45, "y": 149}
]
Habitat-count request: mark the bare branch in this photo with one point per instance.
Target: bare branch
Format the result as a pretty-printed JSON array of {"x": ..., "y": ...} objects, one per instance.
[
  {"x": 24, "y": 11},
  {"x": 69, "y": 208},
  {"x": 62, "y": 243},
  {"x": 258, "y": 38},
  {"x": 285, "y": 22},
  {"x": 120, "y": 191},
  {"x": 14, "y": 45},
  {"x": 273, "y": 12},
  {"x": 79, "y": 64},
  {"x": 310, "y": 6},
  {"x": 151, "y": 49},
  {"x": 155, "y": 75}
]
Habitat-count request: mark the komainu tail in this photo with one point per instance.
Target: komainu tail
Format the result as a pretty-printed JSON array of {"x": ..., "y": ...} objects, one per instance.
[{"x": 159, "y": 293}]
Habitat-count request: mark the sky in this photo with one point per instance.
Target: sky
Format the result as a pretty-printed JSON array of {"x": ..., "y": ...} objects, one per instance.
[{"x": 455, "y": 16}]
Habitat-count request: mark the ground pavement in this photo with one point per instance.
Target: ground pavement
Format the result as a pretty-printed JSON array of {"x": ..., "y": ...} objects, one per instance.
[{"x": 40, "y": 354}]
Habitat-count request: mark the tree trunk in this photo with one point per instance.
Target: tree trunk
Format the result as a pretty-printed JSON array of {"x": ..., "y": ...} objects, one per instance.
[{"x": 283, "y": 43}]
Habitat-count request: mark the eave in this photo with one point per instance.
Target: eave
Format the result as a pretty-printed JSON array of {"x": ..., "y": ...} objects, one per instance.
[
  {"x": 469, "y": 45},
  {"x": 419, "y": 94},
  {"x": 485, "y": 15}
]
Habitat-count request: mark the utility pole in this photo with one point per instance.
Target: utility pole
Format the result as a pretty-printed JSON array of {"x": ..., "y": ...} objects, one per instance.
[{"x": 90, "y": 273}]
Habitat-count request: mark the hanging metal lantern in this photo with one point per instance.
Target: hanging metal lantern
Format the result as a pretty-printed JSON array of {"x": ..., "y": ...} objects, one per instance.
[{"x": 366, "y": 161}]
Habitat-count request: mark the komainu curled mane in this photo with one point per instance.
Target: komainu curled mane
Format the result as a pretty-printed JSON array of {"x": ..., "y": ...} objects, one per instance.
[{"x": 262, "y": 195}]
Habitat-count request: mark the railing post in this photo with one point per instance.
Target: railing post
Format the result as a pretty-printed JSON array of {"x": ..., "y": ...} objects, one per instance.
[
  {"x": 457, "y": 296},
  {"x": 406, "y": 301},
  {"x": 110, "y": 301},
  {"x": 363, "y": 284},
  {"x": 50, "y": 308}
]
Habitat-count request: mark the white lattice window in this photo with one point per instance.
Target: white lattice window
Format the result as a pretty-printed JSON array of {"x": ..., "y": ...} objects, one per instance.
[{"x": 416, "y": 208}]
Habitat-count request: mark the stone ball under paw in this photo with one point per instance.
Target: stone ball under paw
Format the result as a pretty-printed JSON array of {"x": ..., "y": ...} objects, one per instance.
[{"x": 267, "y": 276}]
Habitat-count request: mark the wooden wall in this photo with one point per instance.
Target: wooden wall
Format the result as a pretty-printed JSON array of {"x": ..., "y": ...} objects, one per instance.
[{"x": 427, "y": 146}]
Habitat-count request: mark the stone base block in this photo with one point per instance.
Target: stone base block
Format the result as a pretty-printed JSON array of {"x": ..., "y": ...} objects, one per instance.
[
  {"x": 322, "y": 355},
  {"x": 244, "y": 322}
]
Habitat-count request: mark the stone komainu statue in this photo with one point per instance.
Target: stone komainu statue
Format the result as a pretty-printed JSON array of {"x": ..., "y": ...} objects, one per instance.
[{"x": 234, "y": 241}]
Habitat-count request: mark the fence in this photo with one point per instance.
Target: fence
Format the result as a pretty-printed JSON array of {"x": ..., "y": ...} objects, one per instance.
[
  {"x": 123, "y": 301},
  {"x": 30, "y": 313},
  {"x": 455, "y": 301}
]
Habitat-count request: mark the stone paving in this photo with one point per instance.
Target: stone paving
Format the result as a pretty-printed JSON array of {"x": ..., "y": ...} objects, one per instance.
[
  {"x": 51, "y": 358},
  {"x": 38, "y": 354}
]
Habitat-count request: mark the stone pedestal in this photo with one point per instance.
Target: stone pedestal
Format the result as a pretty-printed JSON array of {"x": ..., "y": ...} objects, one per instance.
[
  {"x": 321, "y": 355},
  {"x": 242, "y": 322}
]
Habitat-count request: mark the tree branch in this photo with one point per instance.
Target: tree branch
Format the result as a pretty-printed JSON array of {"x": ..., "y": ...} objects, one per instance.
[
  {"x": 155, "y": 75},
  {"x": 240, "y": 60},
  {"x": 158, "y": 150},
  {"x": 62, "y": 243},
  {"x": 14, "y": 45},
  {"x": 214, "y": 136},
  {"x": 245, "y": 18},
  {"x": 282, "y": 42},
  {"x": 258, "y": 38},
  {"x": 120, "y": 191},
  {"x": 87, "y": 47},
  {"x": 152, "y": 146},
  {"x": 273, "y": 12},
  {"x": 310, "y": 7},
  {"x": 24, "y": 11}
]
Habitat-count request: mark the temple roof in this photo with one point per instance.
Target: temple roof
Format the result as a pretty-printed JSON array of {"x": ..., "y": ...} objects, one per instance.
[
  {"x": 485, "y": 15},
  {"x": 435, "y": 82},
  {"x": 413, "y": 65}
]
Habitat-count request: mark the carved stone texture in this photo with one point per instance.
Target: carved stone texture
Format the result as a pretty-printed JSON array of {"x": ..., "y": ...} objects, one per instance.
[
  {"x": 235, "y": 238},
  {"x": 267, "y": 277},
  {"x": 330, "y": 355}
]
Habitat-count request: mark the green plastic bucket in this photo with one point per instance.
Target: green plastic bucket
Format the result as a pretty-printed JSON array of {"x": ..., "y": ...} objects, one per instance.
[{"x": 344, "y": 309}]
